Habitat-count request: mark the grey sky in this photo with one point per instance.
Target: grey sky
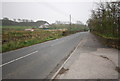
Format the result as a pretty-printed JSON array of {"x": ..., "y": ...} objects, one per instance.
[{"x": 49, "y": 10}]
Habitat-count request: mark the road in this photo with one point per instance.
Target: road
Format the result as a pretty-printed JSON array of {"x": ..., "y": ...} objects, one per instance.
[
  {"x": 38, "y": 61},
  {"x": 91, "y": 60}
]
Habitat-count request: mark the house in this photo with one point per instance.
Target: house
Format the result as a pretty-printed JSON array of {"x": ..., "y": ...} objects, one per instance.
[{"x": 44, "y": 25}]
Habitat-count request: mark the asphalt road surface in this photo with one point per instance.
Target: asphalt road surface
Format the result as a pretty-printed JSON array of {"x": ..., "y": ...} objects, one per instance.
[{"x": 38, "y": 61}]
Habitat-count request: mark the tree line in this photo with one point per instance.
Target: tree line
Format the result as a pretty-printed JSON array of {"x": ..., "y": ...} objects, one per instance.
[
  {"x": 21, "y": 22},
  {"x": 105, "y": 19}
]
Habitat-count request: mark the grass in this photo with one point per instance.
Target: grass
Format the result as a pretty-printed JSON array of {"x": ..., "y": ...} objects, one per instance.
[
  {"x": 109, "y": 40},
  {"x": 106, "y": 36},
  {"x": 14, "y": 40},
  {"x": 14, "y": 37},
  {"x": 74, "y": 28},
  {"x": 71, "y": 29},
  {"x": 16, "y": 27}
]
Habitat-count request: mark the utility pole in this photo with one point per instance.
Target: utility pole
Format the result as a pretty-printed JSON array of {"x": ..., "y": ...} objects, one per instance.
[{"x": 70, "y": 19}]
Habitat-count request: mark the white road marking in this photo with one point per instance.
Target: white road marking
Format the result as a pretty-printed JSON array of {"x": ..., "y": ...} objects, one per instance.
[{"x": 18, "y": 58}]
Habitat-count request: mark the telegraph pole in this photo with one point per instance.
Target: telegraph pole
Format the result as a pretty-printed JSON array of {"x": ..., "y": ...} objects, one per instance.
[{"x": 70, "y": 19}]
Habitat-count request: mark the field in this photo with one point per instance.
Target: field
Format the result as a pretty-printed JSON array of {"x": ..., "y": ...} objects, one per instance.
[
  {"x": 16, "y": 27},
  {"x": 14, "y": 37},
  {"x": 71, "y": 29}
]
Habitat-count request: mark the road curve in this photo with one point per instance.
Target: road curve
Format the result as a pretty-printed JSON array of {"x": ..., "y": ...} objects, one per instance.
[{"x": 37, "y": 61}]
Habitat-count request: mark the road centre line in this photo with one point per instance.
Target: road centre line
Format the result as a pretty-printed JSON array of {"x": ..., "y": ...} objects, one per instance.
[{"x": 18, "y": 58}]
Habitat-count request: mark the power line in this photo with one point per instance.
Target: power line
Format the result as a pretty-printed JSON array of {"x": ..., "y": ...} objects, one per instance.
[{"x": 52, "y": 7}]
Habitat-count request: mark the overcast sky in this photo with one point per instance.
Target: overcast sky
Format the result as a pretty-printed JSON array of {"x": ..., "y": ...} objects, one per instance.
[{"x": 48, "y": 10}]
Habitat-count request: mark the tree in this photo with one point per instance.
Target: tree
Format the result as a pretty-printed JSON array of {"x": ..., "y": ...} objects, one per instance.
[{"x": 104, "y": 19}]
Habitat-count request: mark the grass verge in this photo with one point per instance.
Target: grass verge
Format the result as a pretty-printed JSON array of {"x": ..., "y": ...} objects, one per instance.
[
  {"x": 108, "y": 40},
  {"x": 15, "y": 37}
]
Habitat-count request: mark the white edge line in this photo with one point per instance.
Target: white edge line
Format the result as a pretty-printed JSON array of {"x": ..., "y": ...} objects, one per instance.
[
  {"x": 53, "y": 77},
  {"x": 18, "y": 58}
]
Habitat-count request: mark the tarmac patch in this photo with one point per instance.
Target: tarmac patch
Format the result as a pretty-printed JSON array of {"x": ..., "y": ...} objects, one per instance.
[
  {"x": 104, "y": 57},
  {"x": 62, "y": 71},
  {"x": 117, "y": 69}
]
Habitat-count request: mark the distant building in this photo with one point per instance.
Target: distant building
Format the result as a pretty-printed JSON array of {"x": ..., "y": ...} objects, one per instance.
[
  {"x": 44, "y": 25},
  {"x": 62, "y": 22}
]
